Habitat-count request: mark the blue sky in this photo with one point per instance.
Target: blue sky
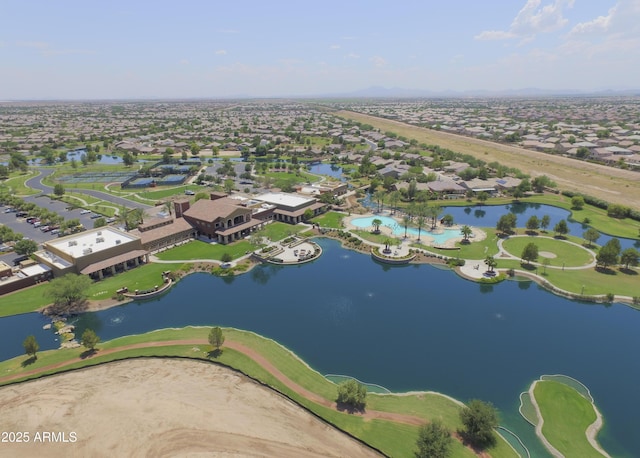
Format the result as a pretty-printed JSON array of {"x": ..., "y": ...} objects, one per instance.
[{"x": 130, "y": 49}]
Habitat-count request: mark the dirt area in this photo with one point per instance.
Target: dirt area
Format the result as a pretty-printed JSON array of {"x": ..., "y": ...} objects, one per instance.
[
  {"x": 164, "y": 408},
  {"x": 606, "y": 183}
]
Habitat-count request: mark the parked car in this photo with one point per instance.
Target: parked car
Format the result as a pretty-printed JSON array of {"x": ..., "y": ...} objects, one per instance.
[
  {"x": 85, "y": 211},
  {"x": 55, "y": 231},
  {"x": 95, "y": 216},
  {"x": 37, "y": 224},
  {"x": 34, "y": 220},
  {"x": 45, "y": 228},
  {"x": 19, "y": 259},
  {"x": 189, "y": 192},
  {"x": 111, "y": 220},
  {"x": 21, "y": 214}
]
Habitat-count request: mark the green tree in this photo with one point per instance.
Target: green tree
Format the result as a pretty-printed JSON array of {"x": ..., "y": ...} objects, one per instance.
[
  {"x": 31, "y": 346},
  {"x": 544, "y": 222},
  {"x": 379, "y": 197},
  {"x": 466, "y": 232},
  {"x": 530, "y": 252},
  {"x": 58, "y": 190},
  {"x": 229, "y": 185},
  {"x": 68, "y": 293},
  {"x": 591, "y": 236},
  {"x": 629, "y": 257},
  {"x": 421, "y": 220},
  {"x": 483, "y": 196},
  {"x": 89, "y": 339},
  {"x": 406, "y": 220},
  {"x": 479, "y": 419},
  {"x": 308, "y": 214},
  {"x": 533, "y": 223},
  {"x": 577, "y": 202},
  {"x": 434, "y": 440},
  {"x": 447, "y": 219},
  {"x": 561, "y": 227},
  {"x": 394, "y": 198},
  {"x": 608, "y": 254},
  {"x": 216, "y": 337},
  {"x": 226, "y": 257},
  {"x": 507, "y": 223},
  {"x": 491, "y": 263},
  {"x": 99, "y": 222},
  {"x": 376, "y": 225},
  {"x": 128, "y": 159},
  {"x": 352, "y": 394},
  {"x": 518, "y": 194},
  {"x": 25, "y": 247}
]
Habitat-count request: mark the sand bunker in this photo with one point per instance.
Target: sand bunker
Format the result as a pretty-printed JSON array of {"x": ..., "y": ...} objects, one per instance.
[
  {"x": 547, "y": 254},
  {"x": 154, "y": 407}
]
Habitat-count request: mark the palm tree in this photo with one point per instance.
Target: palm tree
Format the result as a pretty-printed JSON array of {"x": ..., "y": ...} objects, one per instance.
[
  {"x": 490, "y": 262},
  {"x": 379, "y": 197},
  {"x": 420, "y": 221},
  {"x": 466, "y": 232},
  {"x": 394, "y": 198},
  {"x": 406, "y": 220},
  {"x": 433, "y": 212},
  {"x": 376, "y": 225},
  {"x": 387, "y": 241},
  {"x": 168, "y": 206}
]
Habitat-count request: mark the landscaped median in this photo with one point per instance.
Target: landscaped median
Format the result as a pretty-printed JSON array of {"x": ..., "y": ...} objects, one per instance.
[{"x": 390, "y": 422}]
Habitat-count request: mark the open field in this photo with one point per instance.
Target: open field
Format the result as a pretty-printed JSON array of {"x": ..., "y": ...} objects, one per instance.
[
  {"x": 606, "y": 183},
  {"x": 165, "y": 407},
  {"x": 202, "y": 250},
  {"x": 565, "y": 253},
  {"x": 329, "y": 219}
]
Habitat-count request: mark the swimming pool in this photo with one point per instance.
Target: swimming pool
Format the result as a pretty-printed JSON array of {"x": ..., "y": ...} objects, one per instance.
[{"x": 398, "y": 229}]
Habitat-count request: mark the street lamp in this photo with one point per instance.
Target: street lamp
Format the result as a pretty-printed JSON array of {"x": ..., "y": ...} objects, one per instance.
[{"x": 582, "y": 291}]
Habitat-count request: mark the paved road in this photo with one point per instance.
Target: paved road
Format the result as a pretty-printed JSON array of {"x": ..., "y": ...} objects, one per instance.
[{"x": 36, "y": 183}]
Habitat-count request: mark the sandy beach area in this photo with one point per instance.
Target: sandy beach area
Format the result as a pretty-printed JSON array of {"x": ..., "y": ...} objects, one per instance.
[{"x": 154, "y": 407}]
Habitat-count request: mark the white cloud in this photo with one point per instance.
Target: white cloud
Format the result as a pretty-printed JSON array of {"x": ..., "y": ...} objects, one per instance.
[
  {"x": 532, "y": 20},
  {"x": 221, "y": 52},
  {"x": 378, "y": 61},
  {"x": 599, "y": 24},
  {"x": 184, "y": 62},
  {"x": 352, "y": 55},
  {"x": 334, "y": 47}
]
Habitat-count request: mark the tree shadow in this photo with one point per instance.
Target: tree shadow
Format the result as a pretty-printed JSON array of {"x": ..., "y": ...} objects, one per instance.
[
  {"x": 626, "y": 271},
  {"x": 215, "y": 353},
  {"x": 560, "y": 237},
  {"x": 29, "y": 361},
  {"x": 527, "y": 266},
  {"x": 350, "y": 408},
  {"x": 88, "y": 353},
  {"x": 477, "y": 446},
  {"x": 605, "y": 270}
]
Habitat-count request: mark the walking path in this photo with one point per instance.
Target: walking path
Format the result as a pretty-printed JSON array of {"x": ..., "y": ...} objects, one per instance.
[{"x": 255, "y": 356}]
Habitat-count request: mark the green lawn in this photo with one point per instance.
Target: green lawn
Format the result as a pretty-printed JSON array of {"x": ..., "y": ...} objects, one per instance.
[
  {"x": 473, "y": 250},
  {"x": 566, "y": 416},
  {"x": 567, "y": 254},
  {"x": 24, "y": 300},
  {"x": 15, "y": 183},
  {"x": 330, "y": 219},
  {"x": 286, "y": 179},
  {"x": 392, "y": 438},
  {"x": 162, "y": 193},
  {"x": 277, "y": 230},
  {"x": 202, "y": 250}
]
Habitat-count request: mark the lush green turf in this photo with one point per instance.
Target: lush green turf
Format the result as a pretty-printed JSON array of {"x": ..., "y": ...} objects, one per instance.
[
  {"x": 566, "y": 416},
  {"x": 567, "y": 254},
  {"x": 24, "y": 300},
  {"x": 392, "y": 438},
  {"x": 329, "y": 219},
  {"x": 202, "y": 250},
  {"x": 286, "y": 179},
  {"x": 277, "y": 230},
  {"x": 473, "y": 250},
  {"x": 162, "y": 193},
  {"x": 143, "y": 277},
  {"x": 15, "y": 184}
]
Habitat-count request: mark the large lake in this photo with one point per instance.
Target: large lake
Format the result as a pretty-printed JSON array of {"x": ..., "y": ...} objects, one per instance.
[{"x": 406, "y": 328}]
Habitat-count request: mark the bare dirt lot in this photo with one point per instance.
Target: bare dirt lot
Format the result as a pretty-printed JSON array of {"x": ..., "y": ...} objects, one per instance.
[
  {"x": 606, "y": 183},
  {"x": 152, "y": 407}
]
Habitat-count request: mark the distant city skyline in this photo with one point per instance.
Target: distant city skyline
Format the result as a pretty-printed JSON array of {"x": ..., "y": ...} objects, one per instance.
[{"x": 206, "y": 49}]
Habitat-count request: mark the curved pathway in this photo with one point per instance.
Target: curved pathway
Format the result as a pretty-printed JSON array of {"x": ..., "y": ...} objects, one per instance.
[
  {"x": 260, "y": 360},
  {"x": 36, "y": 183},
  {"x": 504, "y": 254}
]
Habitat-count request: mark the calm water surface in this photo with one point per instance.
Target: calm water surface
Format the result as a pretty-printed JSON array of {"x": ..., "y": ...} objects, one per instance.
[{"x": 406, "y": 328}]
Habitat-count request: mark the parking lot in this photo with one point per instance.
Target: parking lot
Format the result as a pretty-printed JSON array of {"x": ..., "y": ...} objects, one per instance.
[{"x": 20, "y": 225}]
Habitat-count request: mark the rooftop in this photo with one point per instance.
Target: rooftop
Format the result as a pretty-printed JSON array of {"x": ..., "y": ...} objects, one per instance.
[
  {"x": 287, "y": 200},
  {"x": 91, "y": 241}
]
